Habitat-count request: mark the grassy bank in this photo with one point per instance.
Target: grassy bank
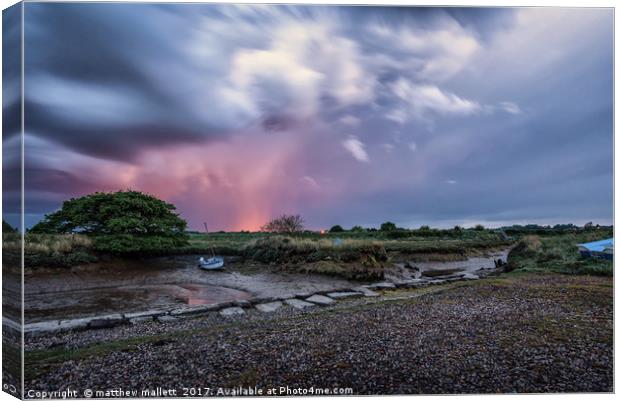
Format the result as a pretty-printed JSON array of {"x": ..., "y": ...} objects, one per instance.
[
  {"x": 318, "y": 252},
  {"x": 356, "y": 255},
  {"x": 559, "y": 254},
  {"x": 362, "y": 256},
  {"x": 405, "y": 242}
]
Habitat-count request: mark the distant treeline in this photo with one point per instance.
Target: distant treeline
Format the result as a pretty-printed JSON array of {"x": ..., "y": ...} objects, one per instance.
[
  {"x": 386, "y": 232},
  {"x": 391, "y": 231},
  {"x": 558, "y": 228}
]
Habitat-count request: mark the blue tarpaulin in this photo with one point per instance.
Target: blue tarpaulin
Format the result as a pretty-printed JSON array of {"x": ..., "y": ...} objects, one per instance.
[{"x": 598, "y": 249}]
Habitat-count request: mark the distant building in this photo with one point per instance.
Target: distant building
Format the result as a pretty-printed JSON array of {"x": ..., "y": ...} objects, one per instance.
[{"x": 603, "y": 249}]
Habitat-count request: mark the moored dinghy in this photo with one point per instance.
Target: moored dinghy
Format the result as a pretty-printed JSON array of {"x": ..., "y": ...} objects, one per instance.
[{"x": 212, "y": 263}]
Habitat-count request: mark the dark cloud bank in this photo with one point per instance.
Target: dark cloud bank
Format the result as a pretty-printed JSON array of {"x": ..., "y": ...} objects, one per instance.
[{"x": 361, "y": 114}]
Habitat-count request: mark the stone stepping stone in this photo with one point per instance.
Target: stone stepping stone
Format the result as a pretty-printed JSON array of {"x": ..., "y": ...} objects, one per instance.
[
  {"x": 366, "y": 292},
  {"x": 141, "y": 319},
  {"x": 189, "y": 310},
  {"x": 470, "y": 276},
  {"x": 403, "y": 283},
  {"x": 344, "y": 294},
  {"x": 269, "y": 307},
  {"x": 73, "y": 324},
  {"x": 106, "y": 322},
  {"x": 299, "y": 304},
  {"x": 235, "y": 310},
  {"x": 449, "y": 277},
  {"x": 8, "y": 323},
  {"x": 381, "y": 286},
  {"x": 166, "y": 319},
  {"x": 320, "y": 299},
  {"x": 411, "y": 283},
  {"x": 35, "y": 329},
  {"x": 149, "y": 313}
]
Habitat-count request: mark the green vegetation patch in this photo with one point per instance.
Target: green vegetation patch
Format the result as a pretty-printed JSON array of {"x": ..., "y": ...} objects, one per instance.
[
  {"x": 354, "y": 259},
  {"x": 559, "y": 254}
]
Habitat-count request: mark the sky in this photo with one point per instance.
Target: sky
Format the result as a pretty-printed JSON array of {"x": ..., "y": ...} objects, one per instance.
[{"x": 344, "y": 115}]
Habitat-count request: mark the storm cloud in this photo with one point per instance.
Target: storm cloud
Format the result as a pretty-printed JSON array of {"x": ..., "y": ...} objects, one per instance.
[{"x": 346, "y": 115}]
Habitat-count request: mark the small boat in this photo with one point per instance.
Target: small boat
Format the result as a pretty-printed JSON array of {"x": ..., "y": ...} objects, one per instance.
[{"x": 212, "y": 263}]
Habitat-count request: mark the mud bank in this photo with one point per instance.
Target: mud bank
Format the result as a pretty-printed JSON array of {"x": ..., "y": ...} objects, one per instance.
[{"x": 167, "y": 283}]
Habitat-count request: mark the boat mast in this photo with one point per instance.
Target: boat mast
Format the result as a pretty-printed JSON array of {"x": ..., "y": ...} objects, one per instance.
[{"x": 207, "y": 232}]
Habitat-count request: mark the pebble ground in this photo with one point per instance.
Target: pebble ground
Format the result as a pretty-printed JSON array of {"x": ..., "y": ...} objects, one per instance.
[{"x": 517, "y": 333}]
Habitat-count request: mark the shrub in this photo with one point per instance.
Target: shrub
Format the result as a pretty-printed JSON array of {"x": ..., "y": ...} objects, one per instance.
[
  {"x": 303, "y": 253},
  {"x": 396, "y": 234},
  {"x": 388, "y": 226},
  {"x": 336, "y": 229},
  {"x": 530, "y": 244}
]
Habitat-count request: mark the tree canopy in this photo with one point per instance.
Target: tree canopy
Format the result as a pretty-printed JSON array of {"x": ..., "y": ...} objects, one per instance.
[
  {"x": 123, "y": 221},
  {"x": 388, "y": 226},
  {"x": 285, "y": 224}
]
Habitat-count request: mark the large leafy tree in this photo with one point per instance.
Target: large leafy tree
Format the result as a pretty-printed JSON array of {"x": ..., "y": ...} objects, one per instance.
[{"x": 120, "y": 222}]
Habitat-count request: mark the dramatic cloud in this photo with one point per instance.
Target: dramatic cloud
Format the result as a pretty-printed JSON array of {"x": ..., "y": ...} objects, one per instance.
[
  {"x": 346, "y": 115},
  {"x": 418, "y": 101},
  {"x": 434, "y": 54},
  {"x": 356, "y": 148}
]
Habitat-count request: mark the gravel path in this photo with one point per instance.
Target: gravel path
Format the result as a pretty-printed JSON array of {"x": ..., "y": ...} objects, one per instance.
[{"x": 517, "y": 333}]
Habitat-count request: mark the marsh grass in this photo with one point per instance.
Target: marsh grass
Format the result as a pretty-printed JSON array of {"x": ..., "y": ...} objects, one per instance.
[
  {"x": 344, "y": 253},
  {"x": 412, "y": 244},
  {"x": 46, "y": 243},
  {"x": 49, "y": 250},
  {"x": 349, "y": 258}
]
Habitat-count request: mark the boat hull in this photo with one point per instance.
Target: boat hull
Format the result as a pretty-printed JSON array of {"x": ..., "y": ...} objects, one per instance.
[{"x": 212, "y": 264}]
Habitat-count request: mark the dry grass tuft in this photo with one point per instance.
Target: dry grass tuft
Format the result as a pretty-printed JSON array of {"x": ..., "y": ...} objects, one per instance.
[{"x": 47, "y": 244}]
